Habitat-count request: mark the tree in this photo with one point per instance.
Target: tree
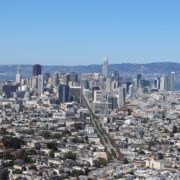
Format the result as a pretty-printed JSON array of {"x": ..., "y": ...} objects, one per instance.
[
  {"x": 24, "y": 156},
  {"x": 113, "y": 153},
  {"x": 70, "y": 155},
  {"x": 51, "y": 154},
  {"x": 125, "y": 161},
  {"x": 100, "y": 162},
  {"x": 77, "y": 173},
  {"x": 160, "y": 156},
  {"x": 33, "y": 167},
  {"x": 166, "y": 130},
  {"x": 141, "y": 152},
  {"x": 56, "y": 136},
  {"x": 3, "y": 131},
  {"x": 175, "y": 129},
  {"x": 54, "y": 173},
  {"x": 78, "y": 126},
  {"x": 4, "y": 174},
  {"x": 12, "y": 142},
  {"x": 7, "y": 155},
  {"x": 28, "y": 131},
  {"x": 17, "y": 171},
  {"x": 7, "y": 164},
  {"x": 109, "y": 155},
  {"x": 77, "y": 140},
  {"x": 52, "y": 145},
  {"x": 45, "y": 134}
]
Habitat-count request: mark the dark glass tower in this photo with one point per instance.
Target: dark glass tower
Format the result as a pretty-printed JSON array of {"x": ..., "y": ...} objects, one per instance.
[
  {"x": 63, "y": 93},
  {"x": 139, "y": 77},
  {"x": 36, "y": 70}
]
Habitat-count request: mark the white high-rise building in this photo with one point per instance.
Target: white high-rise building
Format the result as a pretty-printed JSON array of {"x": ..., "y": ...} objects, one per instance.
[
  {"x": 18, "y": 76},
  {"x": 98, "y": 96},
  {"x": 105, "y": 68},
  {"x": 162, "y": 83},
  {"x": 172, "y": 81},
  {"x": 156, "y": 83},
  {"x": 34, "y": 83},
  {"x": 131, "y": 91}
]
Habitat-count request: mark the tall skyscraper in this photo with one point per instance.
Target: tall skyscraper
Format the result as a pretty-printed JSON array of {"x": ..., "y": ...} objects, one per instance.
[
  {"x": 18, "y": 76},
  {"x": 73, "y": 77},
  {"x": 40, "y": 88},
  {"x": 34, "y": 83},
  {"x": 66, "y": 78},
  {"x": 46, "y": 77},
  {"x": 108, "y": 85},
  {"x": 156, "y": 83},
  {"x": 115, "y": 75},
  {"x": 55, "y": 79},
  {"x": 166, "y": 83},
  {"x": 131, "y": 91},
  {"x": 122, "y": 96},
  {"x": 114, "y": 85},
  {"x": 172, "y": 81},
  {"x": 105, "y": 68},
  {"x": 36, "y": 70},
  {"x": 139, "y": 77},
  {"x": 159, "y": 81},
  {"x": 102, "y": 82},
  {"x": 63, "y": 93},
  {"x": 162, "y": 79}
]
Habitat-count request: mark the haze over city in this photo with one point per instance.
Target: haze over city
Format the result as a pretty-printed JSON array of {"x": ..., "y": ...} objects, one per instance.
[{"x": 83, "y": 32}]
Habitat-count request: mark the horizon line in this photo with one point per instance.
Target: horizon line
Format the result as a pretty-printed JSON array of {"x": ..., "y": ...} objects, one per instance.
[{"x": 91, "y": 64}]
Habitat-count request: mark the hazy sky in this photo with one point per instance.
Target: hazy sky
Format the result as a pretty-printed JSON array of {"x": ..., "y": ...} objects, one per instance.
[{"x": 74, "y": 32}]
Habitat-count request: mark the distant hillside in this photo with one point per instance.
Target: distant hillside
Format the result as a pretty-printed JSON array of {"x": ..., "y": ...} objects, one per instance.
[{"x": 7, "y": 72}]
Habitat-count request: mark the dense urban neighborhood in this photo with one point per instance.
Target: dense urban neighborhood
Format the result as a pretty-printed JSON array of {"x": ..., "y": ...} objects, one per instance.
[{"x": 96, "y": 126}]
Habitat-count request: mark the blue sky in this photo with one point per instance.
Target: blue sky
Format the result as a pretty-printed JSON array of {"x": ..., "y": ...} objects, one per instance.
[{"x": 75, "y": 32}]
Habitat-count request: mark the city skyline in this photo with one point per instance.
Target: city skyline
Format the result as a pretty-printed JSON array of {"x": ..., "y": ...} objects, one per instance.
[
  {"x": 89, "y": 90},
  {"x": 89, "y": 125},
  {"x": 82, "y": 33}
]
